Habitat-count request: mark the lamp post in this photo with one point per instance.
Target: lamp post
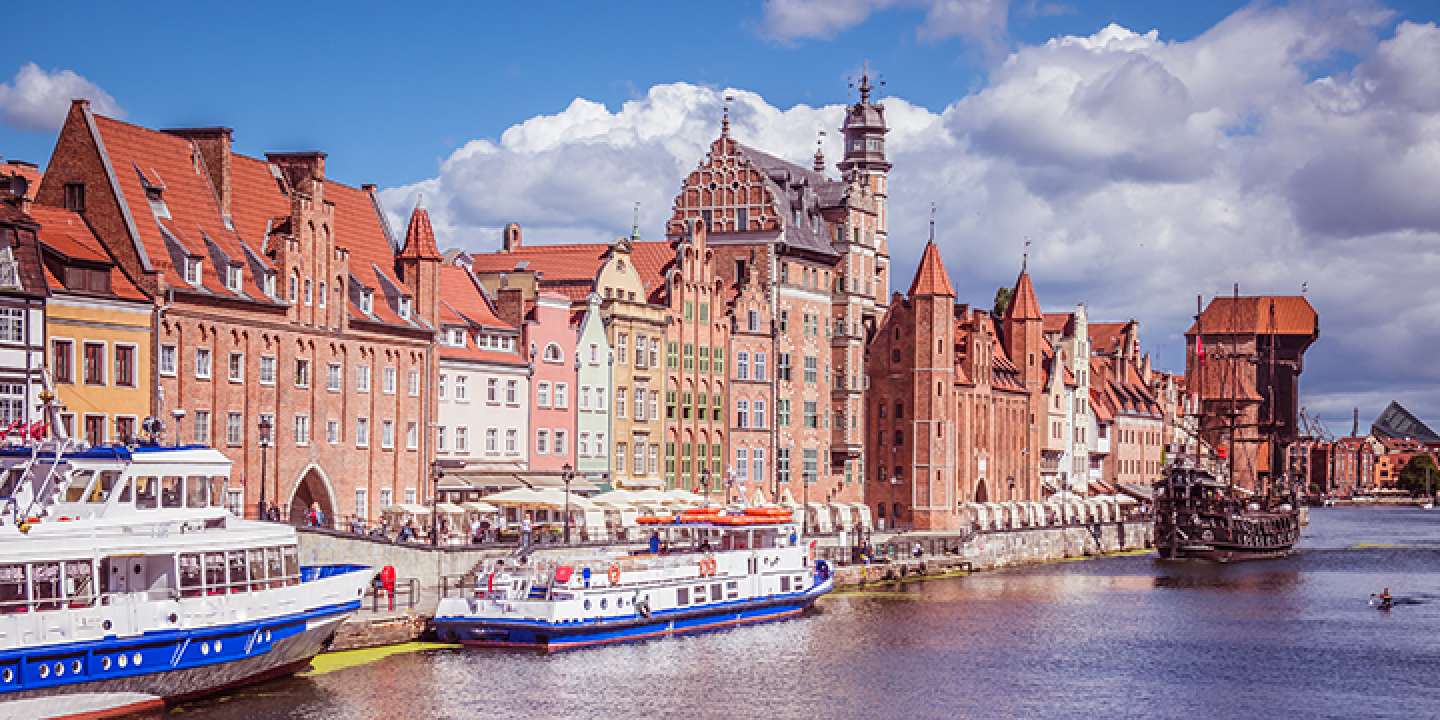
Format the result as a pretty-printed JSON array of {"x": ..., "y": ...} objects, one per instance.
[
  {"x": 266, "y": 425},
  {"x": 894, "y": 520},
  {"x": 437, "y": 471},
  {"x": 567, "y": 474},
  {"x": 705, "y": 485}
]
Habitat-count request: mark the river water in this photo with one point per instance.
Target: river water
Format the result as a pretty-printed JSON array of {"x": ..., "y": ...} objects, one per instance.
[{"x": 1125, "y": 636}]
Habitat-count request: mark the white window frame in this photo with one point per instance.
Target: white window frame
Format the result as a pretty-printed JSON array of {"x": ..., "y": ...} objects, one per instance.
[
  {"x": 267, "y": 369},
  {"x": 362, "y": 378},
  {"x": 362, "y": 432},
  {"x": 334, "y": 377},
  {"x": 332, "y": 431},
  {"x": 237, "y": 369},
  {"x": 542, "y": 394},
  {"x": 462, "y": 439},
  {"x": 302, "y": 429},
  {"x": 204, "y": 360},
  {"x": 387, "y": 434},
  {"x": 387, "y": 381},
  {"x": 234, "y": 429}
]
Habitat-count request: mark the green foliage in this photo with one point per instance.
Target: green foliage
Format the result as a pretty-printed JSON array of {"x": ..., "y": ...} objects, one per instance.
[
  {"x": 1412, "y": 476},
  {"x": 1002, "y": 302}
]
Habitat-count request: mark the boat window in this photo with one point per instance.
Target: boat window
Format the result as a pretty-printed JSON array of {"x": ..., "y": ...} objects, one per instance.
[
  {"x": 257, "y": 568},
  {"x": 217, "y": 495},
  {"x": 100, "y": 490},
  {"x": 147, "y": 492},
  {"x": 124, "y": 490},
  {"x": 682, "y": 596},
  {"x": 798, "y": 583},
  {"x": 272, "y": 561},
  {"x": 214, "y": 573},
  {"x": 45, "y": 582},
  {"x": 79, "y": 583},
  {"x": 171, "y": 488},
  {"x": 190, "y": 575},
  {"x": 197, "y": 491},
  {"x": 12, "y": 479},
  {"x": 785, "y": 583},
  {"x": 292, "y": 565},
  {"x": 75, "y": 489},
  {"x": 699, "y": 593},
  {"x": 237, "y": 571},
  {"x": 715, "y": 592},
  {"x": 12, "y": 589},
  {"x": 732, "y": 590}
]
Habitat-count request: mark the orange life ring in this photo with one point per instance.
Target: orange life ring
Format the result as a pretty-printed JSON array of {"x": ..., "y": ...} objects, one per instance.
[
  {"x": 707, "y": 566},
  {"x": 614, "y": 574}
]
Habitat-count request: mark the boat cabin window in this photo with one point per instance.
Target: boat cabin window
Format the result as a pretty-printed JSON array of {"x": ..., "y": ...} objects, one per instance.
[
  {"x": 237, "y": 571},
  {"x": 45, "y": 583},
  {"x": 214, "y": 573},
  {"x": 292, "y": 565},
  {"x": 13, "y": 596},
  {"x": 125, "y": 491},
  {"x": 257, "y": 568},
  {"x": 272, "y": 561},
  {"x": 147, "y": 493},
  {"x": 732, "y": 590},
  {"x": 197, "y": 491},
  {"x": 171, "y": 488},
  {"x": 699, "y": 593},
  {"x": 715, "y": 593},
  {"x": 682, "y": 596},
  {"x": 190, "y": 581},
  {"x": 10, "y": 480},
  {"x": 103, "y": 487},
  {"x": 784, "y": 583},
  {"x": 79, "y": 583},
  {"x": 75, "y": 488}
]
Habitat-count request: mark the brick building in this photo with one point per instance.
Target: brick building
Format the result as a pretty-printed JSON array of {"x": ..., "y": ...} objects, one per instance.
[{"x": 275, "y": 291}]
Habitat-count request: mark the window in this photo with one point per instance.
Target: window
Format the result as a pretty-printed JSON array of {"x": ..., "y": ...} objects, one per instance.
[
  {"x": 622, "y": 348},
  {"x": 742, "y": 465},
  {"x": 367, "y": 300},
  {"x": 492, "y": 440},
  {"x": 309, "y": 295},
  {"x": 584, "y": 397},
  {"x": 811, "y": 465},
  {"x": 192, "y": 270},
  {"x": 704, "y": 358},
  {"x": 444, "y": 384},
  {"x": 742, "y": 365},
  {"x": 462, "y": 439},
  {"x": 302, "y": 429},
  {"x": 759, "y": 465},
  {"x": 385, "y": 496},
  {"x": 234, "y": 428},
  {"x": 322, "y": 294},
  {"x": 782, "y": 367},
  {"x": 552, "y": 353},
  {"x": 462, "y": 393},
  {"x": 672, "y": 355},
  {"x": 511, "y": 434},
  {"x": 760, "y": 366},
  {"x": 670, "y": 398},
  {"x": 782, "y": 412},
  {"x": 811, "y": 417},
  {"x": 654, "y": 404},
  {"x": 640, "y": 346},
  {"x": 542, "y": 442},
  {"x": 362, "y": 378},
  {"x": 202, "y": 427},
  {"x": 403, "y": 307},
  {"x": 582, "y": 447},
  {"x": 782, "y": 464},
  {"x": 202, "y": 363},
  {"x": 561, "y": 393},
  {"x": 440, "y": 440},
  {"x": 332, "y": 431},
  {"x": 334, "y": 380},
  {"x": 620, "y": 402},
  {"x": 236, "y": 366},
  {"x": 542, "y": 394},
  {"x": 784, "y": 321},
  {"x": 689, "y": 356},
  {"x": 758, "y": 417},
  {"x": 742, "y": 414},
  {"x": 93, "y": 363},
  {"x": 294, "y": 287},
  {"x": 267, "y": 369},
  {"x": 387, "y": 382},
  {"x": 719, "y": 355},
  {"x": 362, "y": 504},
  {"x": 594, "y": 354},
  {"x": 75, "y": 197},
  {"x": 600, "y": 400},
  {"x": 619, "y": 457},
  {"x": 270, "y": 285},
  {"x": 414, "y": 383},
  {"x": 412, "y": 435},
  {"x": 655, "y": 353},
  {"x": 409, "y": 496},
  {"x": 62, "y": 360},
  {"x": 812, "y": 365},
  {"x": 560, "y": 443},
  {"x": 654, "y": 467},
  {"x": 302, "y": 373},
  {"x": 670, "y": 458},
  {"x": 387, "y": 434},
  {"x": 232, "y": 278}
]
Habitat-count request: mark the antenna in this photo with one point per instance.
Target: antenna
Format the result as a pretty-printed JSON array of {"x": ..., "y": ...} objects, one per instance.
[
  {"x": 932, "y": 222},
  {"x": 1025, "y": 257}
]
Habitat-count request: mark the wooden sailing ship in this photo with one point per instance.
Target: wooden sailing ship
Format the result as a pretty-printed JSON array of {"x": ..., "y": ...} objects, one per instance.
[{"x": 1244, "y": 398}]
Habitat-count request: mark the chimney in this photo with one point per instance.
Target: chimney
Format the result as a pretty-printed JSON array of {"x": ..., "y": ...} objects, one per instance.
[
  {"x": 213, "y": 144},
  {"x": 302, "y": 169},
  {"x": 510, "y": 305},
  {"x": 510, "y": 237}
]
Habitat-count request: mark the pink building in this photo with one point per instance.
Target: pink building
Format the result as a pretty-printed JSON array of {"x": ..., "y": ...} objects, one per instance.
[{"x": 550, "y": 340}]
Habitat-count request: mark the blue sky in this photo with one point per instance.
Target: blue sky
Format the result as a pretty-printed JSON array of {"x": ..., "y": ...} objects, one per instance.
[{"x": 1273, "y": 144}]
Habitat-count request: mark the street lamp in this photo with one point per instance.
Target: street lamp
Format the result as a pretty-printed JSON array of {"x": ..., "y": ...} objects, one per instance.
[
  {"x": 266, "y": 425},
  {"x": 705, "y": 485},
  {"x": 567, "y": 474},
  {"x": 437, "y": 471},
  {"x": 894, "y": 514}
]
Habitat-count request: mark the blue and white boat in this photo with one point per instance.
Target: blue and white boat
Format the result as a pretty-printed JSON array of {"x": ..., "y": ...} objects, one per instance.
[
  {"x": 124, "y": 585},
  {"x": 714, "y": 571}
]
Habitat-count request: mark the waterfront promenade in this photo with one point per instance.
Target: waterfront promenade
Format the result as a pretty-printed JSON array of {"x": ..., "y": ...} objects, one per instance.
[{"x": 425, "y": 573}]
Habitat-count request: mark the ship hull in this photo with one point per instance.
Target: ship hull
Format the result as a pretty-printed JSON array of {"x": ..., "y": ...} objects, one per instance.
[{"x": 554, "y": 636}]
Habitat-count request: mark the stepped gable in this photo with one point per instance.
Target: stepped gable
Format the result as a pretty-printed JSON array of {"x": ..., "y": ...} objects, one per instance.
[
  {"x": 930, "y": 276},
  {"x": 1023, "y": 304},
  {"x": 65, "y": 233}
]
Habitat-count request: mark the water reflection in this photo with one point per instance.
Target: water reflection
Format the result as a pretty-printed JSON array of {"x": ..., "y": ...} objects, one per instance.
[{"x": 1124, "y": 636}]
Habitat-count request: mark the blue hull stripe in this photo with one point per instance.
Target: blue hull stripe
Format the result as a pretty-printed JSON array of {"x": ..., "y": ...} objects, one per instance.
[{"x": 45, "y": 666}]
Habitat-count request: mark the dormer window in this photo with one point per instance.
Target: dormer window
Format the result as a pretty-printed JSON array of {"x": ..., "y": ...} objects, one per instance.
[
  {"x": 404, "y": 308},
  {"x": 232, "y": 278},
  {"x": 270, "y": 285},
  {"x": 367, "y": 301},
  {"x": 192, "y": 270}
]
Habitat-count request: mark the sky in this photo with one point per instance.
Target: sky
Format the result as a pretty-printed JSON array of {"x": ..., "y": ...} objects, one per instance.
[{"x": 1149, "y": 153}]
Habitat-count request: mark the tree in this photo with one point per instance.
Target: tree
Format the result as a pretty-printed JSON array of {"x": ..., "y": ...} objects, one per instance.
[
  {"x": 1002, "y": 302},
  {"x": 1412, "y": 476}
]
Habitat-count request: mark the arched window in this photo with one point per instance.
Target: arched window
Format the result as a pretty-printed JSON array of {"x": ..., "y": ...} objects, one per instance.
[{"x": 553, "y": 354}]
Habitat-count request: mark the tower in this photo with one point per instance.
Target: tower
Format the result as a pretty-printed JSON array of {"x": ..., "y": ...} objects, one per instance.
[
  {"x": 1023, "y": 332},
  {"x": 419, "y": 264},
  {"x": 932, "y": 391}
]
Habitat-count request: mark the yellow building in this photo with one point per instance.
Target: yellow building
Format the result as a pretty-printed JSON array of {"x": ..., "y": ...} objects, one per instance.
[{"x": 98, "y": 333}]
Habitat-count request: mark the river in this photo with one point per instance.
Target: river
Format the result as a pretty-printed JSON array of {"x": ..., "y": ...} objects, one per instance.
[{"x": 1126, "y": 636}]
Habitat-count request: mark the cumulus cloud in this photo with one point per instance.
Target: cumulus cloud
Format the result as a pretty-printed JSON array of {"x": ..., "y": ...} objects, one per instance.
[
  {"x": 37, "y": 100},
  {"x": 982, "y": 22},
  {"x": 1145, "y": 172}
]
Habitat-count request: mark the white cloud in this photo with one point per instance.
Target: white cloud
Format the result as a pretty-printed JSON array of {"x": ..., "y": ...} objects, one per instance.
[
  {"x": 1146, "y": 172},
  {"x": 37, "y": 100},
  {"x": 982, "y": 22}
]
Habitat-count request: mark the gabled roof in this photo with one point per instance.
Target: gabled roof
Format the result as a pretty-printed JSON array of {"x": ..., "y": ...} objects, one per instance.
[
  {"x": 1251, "y": 315},
  {"x": 1106, "y": 337},
  {"x": 1023, "y": 305},
  {"x": 66, "y": 233},
  {"x": 930, "y": 276},
  {"x": 796, "y": 187}
]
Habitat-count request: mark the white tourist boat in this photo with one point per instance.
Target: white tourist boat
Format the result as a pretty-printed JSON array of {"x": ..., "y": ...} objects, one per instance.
[
  {"x": 713, "y": 570},
  {"x": 124, "y": 585}
]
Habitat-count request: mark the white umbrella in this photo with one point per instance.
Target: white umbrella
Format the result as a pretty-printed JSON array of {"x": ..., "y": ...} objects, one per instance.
[
  {"x": 483, "y": 508},
  {"x": 518, "y": 497}
]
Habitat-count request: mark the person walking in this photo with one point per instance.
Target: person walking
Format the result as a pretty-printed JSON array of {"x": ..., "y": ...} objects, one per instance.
[{"x": 525, "y": 530}]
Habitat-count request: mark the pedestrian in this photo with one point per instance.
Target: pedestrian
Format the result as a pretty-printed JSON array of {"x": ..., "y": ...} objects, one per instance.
[
  {"x": 475, "y": 530},
  {"x": 317, "y": 516},
  {"x": 918, "y": 551},
  {"x": 525, "y": 530},
  {"x": 485, "y": 530},
  {"x": 655, "y": 543}
]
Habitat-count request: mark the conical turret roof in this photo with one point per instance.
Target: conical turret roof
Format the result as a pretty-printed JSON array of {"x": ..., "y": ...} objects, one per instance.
[
  {"x": 420, "y": 237},
  {"x": 930, "y": 277},
  {"x": 1023, "y": 305}
]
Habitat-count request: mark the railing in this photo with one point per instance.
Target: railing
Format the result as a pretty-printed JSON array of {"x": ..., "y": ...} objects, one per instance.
[{"x": 409, "y": 586}]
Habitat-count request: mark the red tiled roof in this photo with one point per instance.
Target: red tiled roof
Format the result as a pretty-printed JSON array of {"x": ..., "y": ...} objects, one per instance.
[
  {"x": 930, "y": 276},
  {"x": 1058, "y": 322},
  {"x": 66, "y": 233},
  {"x": 358, "y": 229},
  {"x": 1293, "y": 316},
  {"x": 31, "y": 174},
  {"x": 420, "y": 237},
  {"x": 1105, "y": 337},
  {"x": 461, "y": 296},
  {"x": 1023, "y": 305}
]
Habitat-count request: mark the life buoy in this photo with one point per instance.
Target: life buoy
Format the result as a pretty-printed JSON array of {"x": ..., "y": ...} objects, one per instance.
[
  {"x": 707, "y": 566},
  {"x": 614, "y": 574}
]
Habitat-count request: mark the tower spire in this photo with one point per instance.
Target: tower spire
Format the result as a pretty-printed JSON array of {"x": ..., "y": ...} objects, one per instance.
[
  {"x": 635, "y": 229},
  {"x": 932, "y": 222},
  {"x": 865, "y": 82},
  {"x": 820, "y": 153},
  {"x": 725, "y": 120}
]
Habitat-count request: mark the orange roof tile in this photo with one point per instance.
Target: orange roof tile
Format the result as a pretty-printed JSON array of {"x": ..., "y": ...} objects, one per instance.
[
  {"x": 1023, "y": 305},
  {"x": 65, "y": 232},
  {"x": 420, "y": 237},
  {"x": 1293, "y": 316},
  {"x": 930, "y": 275}
]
